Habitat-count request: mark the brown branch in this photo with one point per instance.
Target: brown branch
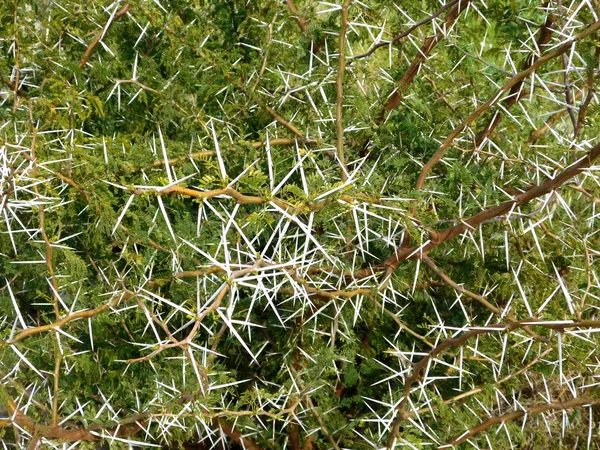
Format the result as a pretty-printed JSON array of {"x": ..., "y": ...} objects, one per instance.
[
  {"x": 588, "y": 275},
  {"x": 419, "y": 367},
  {"x": 402, "y": 35},
  {"x": 339, "y": 87},
  {"x": 516, "y": 92},
  {"x": 49, "y": 431},
  {"x": 263, "y": 67},
  {"x": 280, "y": 119},
  {"x": 537, "y": 134},
  {"x": 57, "y": 363},
  {"x": 294, "y": 435},
  {"x": 58, "y": 355},
  {"x": 314, "y": 410},
  {"x": 13, "y": 87},
  {"x": 411, "y": 252},
  {"x": 125, "y": 428},
  {"x": 568, "y": 96},
  {"x": 130, "y": 426},
  {"x": 92, "y": 45},
  {"x": 584, "y": 192},
  {"x": 165, "y": 328},
  {"x": 590, "y": 95},
  {"x": 457, "y": 287},
  {"x": 428, "y": 45},
  {"x": 42, "y": 216},
  {"x": 315, "y": 47},
  {"x": 320, "y": 293},
  {"x": 235, "y": 435},
  {"x": 72, "y": 183},
  {"x": 199, "y": 273},
  {"x": 294, "y": 11},
  {"x": 244, "y": 199},
  {"x": 184, "y": 342},
  {"x": 567, "y": 89},
  {"x": 556, "y": 406},
  {"x": 483, "y": 387},
  {"x": 240, "y": 198},
  {"x": 209, "y": 270},
  {"x": 518, "y": 78},
  {"x": 39, "y": 430},
  {"x": 63, "y": 321}
]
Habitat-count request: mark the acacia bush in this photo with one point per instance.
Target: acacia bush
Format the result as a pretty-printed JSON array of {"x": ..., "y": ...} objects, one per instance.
[{"x": 304, "y": 225}]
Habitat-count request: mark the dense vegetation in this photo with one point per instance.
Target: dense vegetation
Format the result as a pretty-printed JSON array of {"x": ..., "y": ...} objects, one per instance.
[{"x": 272, "y": 224}]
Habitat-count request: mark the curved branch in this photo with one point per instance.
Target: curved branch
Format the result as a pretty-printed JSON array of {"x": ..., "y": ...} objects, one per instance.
[
  {"x": 419, "y": 367},
  {"x": 404, "y": 253},
  {"x": 244, "y": 199},
  {"x": 92, "y": 45},
  {"x": 516, "y": 92},
  {"x": 514, "y": 81},
  {"x": 556, "y": 406},
  {"x": 13, "y": 87},
  {"x": 48, "y": 431},
  {"x": 402, "y": 35},
  {"x": 38, "y": 430},
  {"x": 299, "y": 19},
  {"x": 428, "y": 45},
  {"x": 63, "y": 321},
  {"x": 590, "y": 95}
]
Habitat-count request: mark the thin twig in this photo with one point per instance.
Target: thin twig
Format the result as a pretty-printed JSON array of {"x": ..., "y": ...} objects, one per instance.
[
  {"x": 591, "y": 92},
  {"x": 457, "y": 287},
  {"x": 484, "y": 387}
]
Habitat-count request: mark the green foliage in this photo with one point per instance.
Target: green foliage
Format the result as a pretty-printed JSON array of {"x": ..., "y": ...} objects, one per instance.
[{"x": 185, "y": 258}]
